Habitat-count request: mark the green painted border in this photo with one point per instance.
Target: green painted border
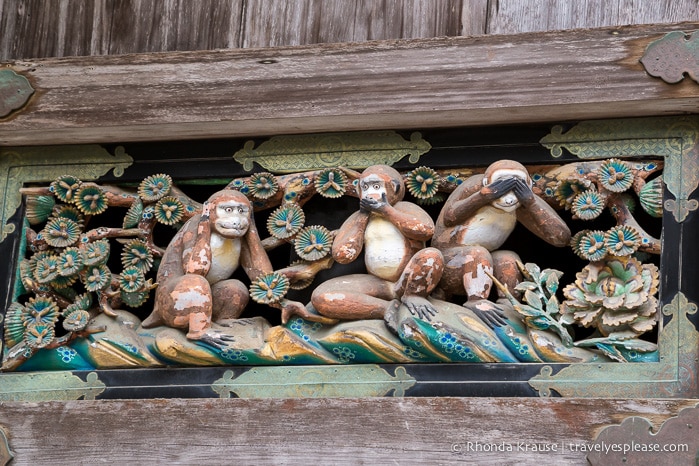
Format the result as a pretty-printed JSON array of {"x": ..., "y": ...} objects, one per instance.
[
  {"x": 677, "y": 140},
  {"x": 22, "y": 165},
  {"x": 674, "y": 138}
]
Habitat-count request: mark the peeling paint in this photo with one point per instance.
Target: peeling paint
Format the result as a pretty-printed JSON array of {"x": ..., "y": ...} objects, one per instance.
[
  {"x": 335, "y": 296},
  {"x": 191, "y": 298}
]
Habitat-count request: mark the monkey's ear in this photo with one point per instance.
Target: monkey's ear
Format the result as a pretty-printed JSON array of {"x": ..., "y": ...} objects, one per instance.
[
  {"x": 396, "y": 187},
  {"x": 485, "y": 181}
]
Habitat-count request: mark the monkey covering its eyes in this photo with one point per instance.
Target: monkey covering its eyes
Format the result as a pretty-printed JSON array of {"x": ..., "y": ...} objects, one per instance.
[{"x": 476, "y": 220}]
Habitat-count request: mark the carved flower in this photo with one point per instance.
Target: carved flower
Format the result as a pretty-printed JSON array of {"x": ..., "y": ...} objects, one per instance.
[
  {"x": 65, "y": 188},
  {"x": 613, "y": 295},
  {"x": 14, "y": 324},
  {"x": 169, "y": 210},
  {"x": 286, "y": 221},
  {"x": 137, "y": 254},
  {"x": 588, "y": 205},
  {"x": 46, "y": 268},
  {"x": 622, "y": 240},
  {"x": 135, "y": 298},
  {"x": 331, "y": 183},
  {"x": 132, "y": 279},
  {"x": 155, "y": 187},
  {"x": 589, "y": 245},
  {"x": 133, "y": 214},
  {"x": 70, "y": 212},
  {"x": 90, "y": 200},
  {"x": 70, "y": 262},
  {"x": 95, "y": 253},
  {"x": 651, "y": 197},
  {"x": 269, "y": 288},
  {"x": 39, "y": 208},
  {"x": 61, "y": 232},
  {"x": 63, "y": 281},
  {"x": 75, "y": 320},
  {"x": 263, "y": 185},
  {"x": 40, "y": 310},
  {"x": 313, "y": 242},
  {"x": 39, "y": 336},
  {"x": 566, "y": 191},
  {"x": 96, "y": 278},
  {"x": 615, "y": 175},
  {"x": 83, "y": 301},
  {"x": 422, "y": 182}
]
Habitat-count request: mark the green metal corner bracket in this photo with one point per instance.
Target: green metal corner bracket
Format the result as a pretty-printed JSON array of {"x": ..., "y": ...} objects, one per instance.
[
  {"x": 675, "y": 138},
  {"x": 21, "y": 165},
  {"x": 15, "y": 91},
  {"x": 672, "y": 376}
]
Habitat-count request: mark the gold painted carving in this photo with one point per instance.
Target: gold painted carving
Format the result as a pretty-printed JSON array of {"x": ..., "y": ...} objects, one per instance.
[
  {"x": 675, "y": 138},
  {"x": 314, "y": 382},
  {"x": 49, "y": 386},
  {"x": 287, "y": 154},
  {"x": 42, "y": 164}
]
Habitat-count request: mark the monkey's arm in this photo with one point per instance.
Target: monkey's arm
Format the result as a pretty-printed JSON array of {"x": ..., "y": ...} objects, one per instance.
[
  {"x": 470, "y": 196},
  {"x": 253, "y": 257},
  {"x": 411, "y": 220},
  {"x": 349, "y": 241},
  {"x": 540, "y": 218},
  {"x": 199, "y": 261}
]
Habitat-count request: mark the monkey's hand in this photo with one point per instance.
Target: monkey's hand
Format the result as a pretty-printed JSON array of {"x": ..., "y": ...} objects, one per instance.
[
  {"x": 523, "y": 192},
  {"x": 498, "y": 188},
  {"x": 489, "y": 313},
  {"x": 216, "y": 339},
  {"x": 292, "y": 308},
  {"x": 373, "y": 205},
  {"x": 419, "y": 307}
]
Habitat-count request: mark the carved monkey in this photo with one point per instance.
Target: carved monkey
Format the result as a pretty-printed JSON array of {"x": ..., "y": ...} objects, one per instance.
[
  {"x": 194, "y": 275},
  {"x": 477, "y": 218},
  {"x": 392, "y": 234}
]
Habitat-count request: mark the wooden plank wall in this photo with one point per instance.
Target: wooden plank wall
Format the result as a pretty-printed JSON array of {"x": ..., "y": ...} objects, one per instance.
[{"x": 57, "y": 28}]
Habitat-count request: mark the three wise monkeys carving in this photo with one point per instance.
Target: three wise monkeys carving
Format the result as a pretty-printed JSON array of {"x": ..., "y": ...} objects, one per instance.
[{"x": 194, "y": 279}]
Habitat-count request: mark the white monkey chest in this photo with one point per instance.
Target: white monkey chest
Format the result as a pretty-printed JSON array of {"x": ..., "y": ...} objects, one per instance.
[
  {"x": 384, "y": 249},
  {"x": 489, "y": 227},
  {"x": 225, "y": 258}
]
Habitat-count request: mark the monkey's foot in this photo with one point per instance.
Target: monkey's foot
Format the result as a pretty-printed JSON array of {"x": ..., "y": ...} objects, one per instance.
[
  {"x": 305, "y": 314},
  {"x": 391, "y": 317},
  {"x": 419, "y": 307}
]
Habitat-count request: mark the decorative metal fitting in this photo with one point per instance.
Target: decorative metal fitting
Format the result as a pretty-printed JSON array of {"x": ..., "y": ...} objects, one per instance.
[
  {"x": 672, "y": 56},
  {"x": 15, "y": 91}
]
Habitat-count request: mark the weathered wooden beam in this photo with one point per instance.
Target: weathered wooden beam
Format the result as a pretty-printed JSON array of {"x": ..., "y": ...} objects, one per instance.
[
  {"x": 447, "y": 82},
  {"x": 337, "y": 431}
]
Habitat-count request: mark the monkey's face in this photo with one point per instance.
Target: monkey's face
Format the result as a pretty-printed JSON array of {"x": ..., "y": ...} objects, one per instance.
[
  {"x": 373, "y": 187},
  {"x": 508, "y": 202},
  {"x": 230, "y": 218}
]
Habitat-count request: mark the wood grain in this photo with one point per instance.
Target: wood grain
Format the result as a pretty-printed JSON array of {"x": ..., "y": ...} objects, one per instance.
[
  {"x": 270, "y": 23},
  {"x": 314, "y": 431},
  {"x": 37, "y": 28},
  {"x": 423, "y": 83},
  {"x": 517, "y": 16}
]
